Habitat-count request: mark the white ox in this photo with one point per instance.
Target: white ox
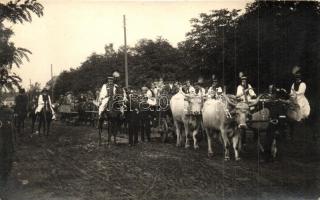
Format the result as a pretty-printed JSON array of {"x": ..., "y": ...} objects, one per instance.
[
  {"x": 191, "y": 120},
  {"x": 228, "y": 118}
]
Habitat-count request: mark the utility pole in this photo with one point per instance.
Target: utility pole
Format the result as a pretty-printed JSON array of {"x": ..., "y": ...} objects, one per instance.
[
  {"x": 51, "y": 82},
  {"x": 125, "y": 51}
]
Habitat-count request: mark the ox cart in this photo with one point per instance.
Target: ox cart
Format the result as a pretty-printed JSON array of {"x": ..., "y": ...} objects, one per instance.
[
  {"x": 68, "y": 114},
  {"x": 78, "y": 113},
  {"x": 162, "y": 117},
  {"x": 269, "y": 116}
]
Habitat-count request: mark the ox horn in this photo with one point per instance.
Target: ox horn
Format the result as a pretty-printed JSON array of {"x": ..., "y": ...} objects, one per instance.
[{"x": 228, "y": 100}]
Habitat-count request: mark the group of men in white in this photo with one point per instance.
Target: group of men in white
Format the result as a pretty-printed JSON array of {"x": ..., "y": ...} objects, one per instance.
[{"x": 244, "y": 92}]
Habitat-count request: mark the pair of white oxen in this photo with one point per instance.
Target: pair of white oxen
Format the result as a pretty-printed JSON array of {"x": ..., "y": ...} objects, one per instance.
[{"x": 212, "y": 115}]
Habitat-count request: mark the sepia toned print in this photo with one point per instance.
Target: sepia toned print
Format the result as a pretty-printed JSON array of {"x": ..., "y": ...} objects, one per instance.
[{"x": 159, "y": 99}]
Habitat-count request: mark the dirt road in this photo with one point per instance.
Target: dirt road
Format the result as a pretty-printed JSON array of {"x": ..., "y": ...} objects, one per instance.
[{"x": 69, "y": 165}]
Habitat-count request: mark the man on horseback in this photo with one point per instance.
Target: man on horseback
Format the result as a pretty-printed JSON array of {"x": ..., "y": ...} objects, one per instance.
[
  {"x": 109, "y": 90},
  {"x": 111, "y": 100},
  {"x": 45, "y": 100}
]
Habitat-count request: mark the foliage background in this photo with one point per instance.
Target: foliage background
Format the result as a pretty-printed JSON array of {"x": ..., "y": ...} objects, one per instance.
[{"x": 265, "y": 41}]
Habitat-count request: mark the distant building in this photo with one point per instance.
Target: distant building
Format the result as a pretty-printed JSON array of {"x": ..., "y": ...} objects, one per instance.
[{"x": 9, "y": 101}]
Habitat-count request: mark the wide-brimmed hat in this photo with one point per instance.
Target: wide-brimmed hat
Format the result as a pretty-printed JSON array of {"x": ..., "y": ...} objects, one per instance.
[
  {"x": 144, "y": 88},
  {"x": 297, "y": 75},
  {"x": 45, "y": 90},
  {"x": 243, "y": 77}
]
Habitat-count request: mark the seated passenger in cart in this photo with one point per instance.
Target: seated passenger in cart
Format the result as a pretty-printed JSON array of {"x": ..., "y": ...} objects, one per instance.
[
  {"x": 215, "y": 89},
  {"x": 170, "y": 89},
  {"x": 146, "y": 113},
  {"x": 245, "y": 91},
  {"x": 199, "y": 87}
]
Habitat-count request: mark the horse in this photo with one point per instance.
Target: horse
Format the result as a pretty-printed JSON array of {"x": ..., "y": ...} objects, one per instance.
[
  {"x": 45, "y": 118},
  {"x": 33, "y": 117},
  {"x": 114, "y": 116},
  {"x": 31, "y": 113},
  {"x": 19, "y": 118},
  {"x": 87, "y": 113}
]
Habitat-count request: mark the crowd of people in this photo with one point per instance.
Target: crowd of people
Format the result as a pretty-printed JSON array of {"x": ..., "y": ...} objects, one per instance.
[{"x": 151, "y": 93}]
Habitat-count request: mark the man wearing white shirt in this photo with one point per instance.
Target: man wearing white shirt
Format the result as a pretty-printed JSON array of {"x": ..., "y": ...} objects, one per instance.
[
  {"x": 188, "y": 88},
  {"x": 108, "y": 90},
  {"x": 44, "y": 98},
  {"x": 245, "y": 91}
]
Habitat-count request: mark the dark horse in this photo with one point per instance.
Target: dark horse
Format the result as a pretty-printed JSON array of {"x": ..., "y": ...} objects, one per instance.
[
  {"x": 19, "y": 118},
  {"x": 32, "y": 115},
  {"x": 113, "y": 115},
  {"x": 45, "y": 118}
]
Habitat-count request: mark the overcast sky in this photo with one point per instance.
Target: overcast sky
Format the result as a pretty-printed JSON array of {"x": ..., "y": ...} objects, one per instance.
[{"x": 72, "y": 30}]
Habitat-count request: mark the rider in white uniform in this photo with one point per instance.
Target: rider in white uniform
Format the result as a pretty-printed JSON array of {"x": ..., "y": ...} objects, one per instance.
[
  {"x": 108, "y": 89},
  {"x": 43, "y": 98}
]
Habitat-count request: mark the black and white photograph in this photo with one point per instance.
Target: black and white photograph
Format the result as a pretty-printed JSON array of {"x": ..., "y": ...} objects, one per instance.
[{"x": 159, "y": 100}]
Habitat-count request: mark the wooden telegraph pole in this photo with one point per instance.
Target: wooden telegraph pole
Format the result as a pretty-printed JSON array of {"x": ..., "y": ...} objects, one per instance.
[
  {"x": 125, "y": 51},
  {"x": 51, "y": 82}
]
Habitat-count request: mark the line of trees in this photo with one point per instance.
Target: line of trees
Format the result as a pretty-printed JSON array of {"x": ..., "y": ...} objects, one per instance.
[
  {"x": 265, "y": 41},
  {"x": 11, "y": 55}
]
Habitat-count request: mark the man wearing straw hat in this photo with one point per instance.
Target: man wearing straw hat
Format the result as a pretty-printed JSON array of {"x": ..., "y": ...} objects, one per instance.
[{"x": 245, "y": 91}]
